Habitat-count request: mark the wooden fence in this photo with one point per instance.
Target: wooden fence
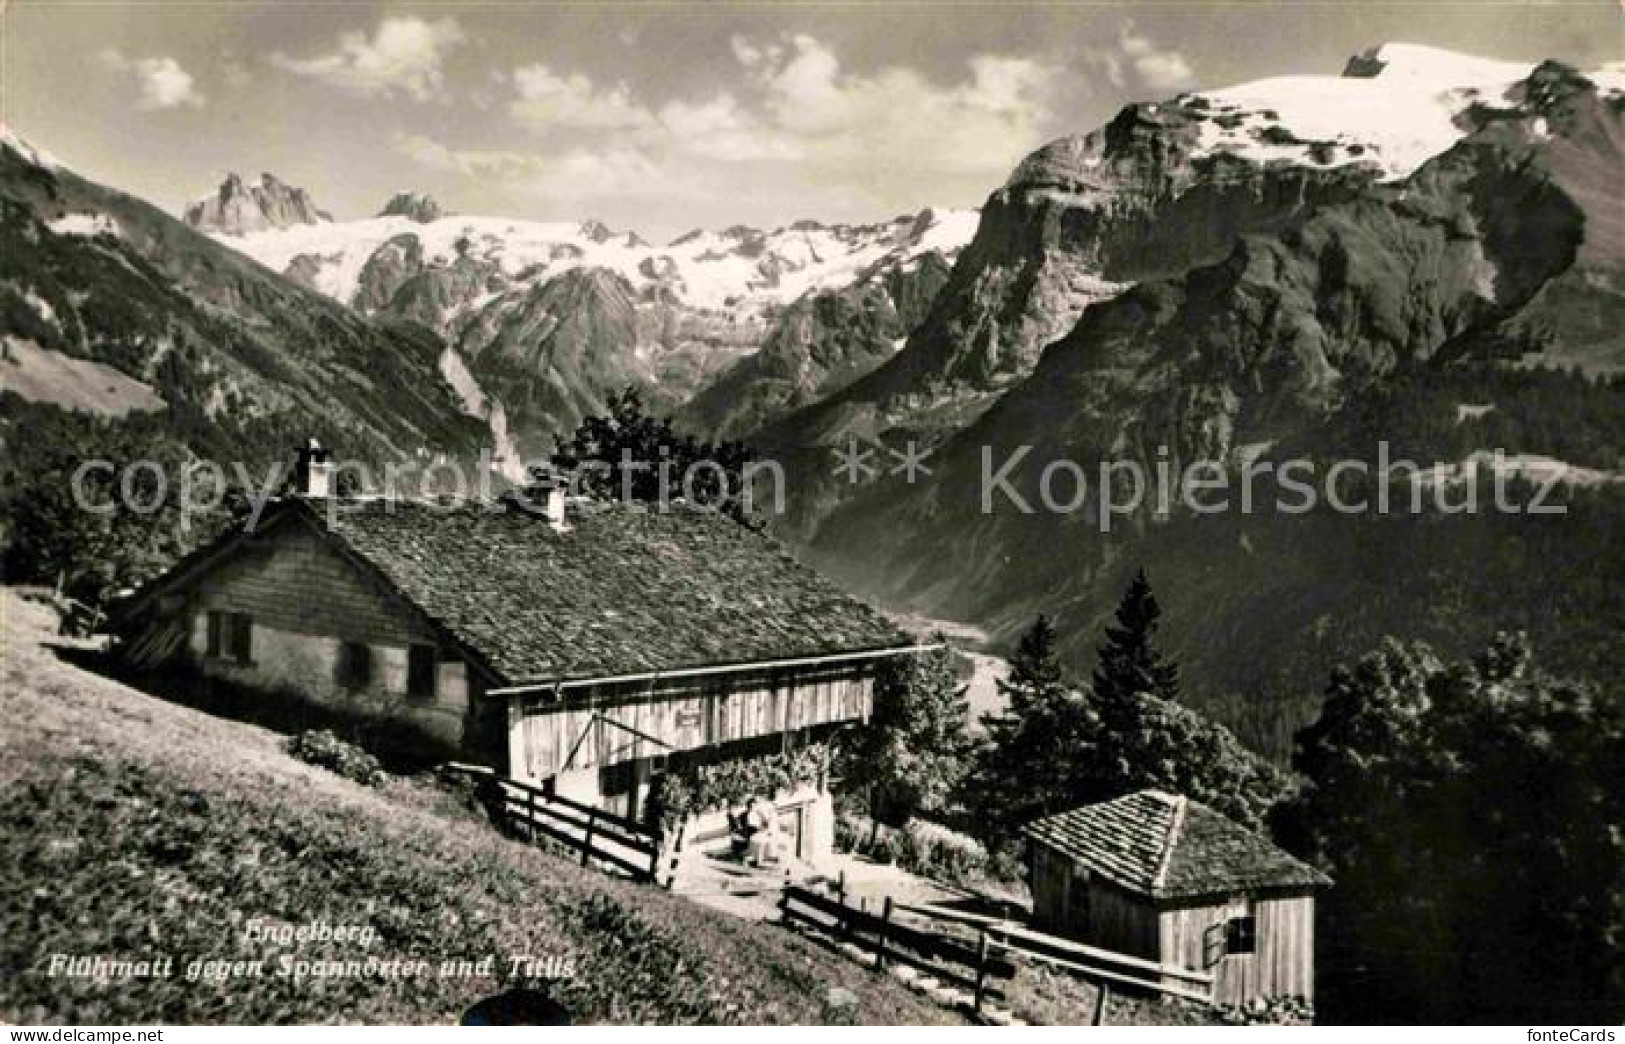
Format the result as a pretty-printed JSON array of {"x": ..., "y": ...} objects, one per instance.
[
  {"x": 946, "y": 958},
  {"x": 1104, "y": 967},
  {"x": 976, "y": 952},
  {"x": 613, "y": 842}
]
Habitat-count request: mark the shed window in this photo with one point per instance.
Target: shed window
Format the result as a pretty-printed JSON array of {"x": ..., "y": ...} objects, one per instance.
[
  {"x": 1241, "y": 935},
  {"x": 420, "y": 671},
  {"x": 354, "y": 667},
  {"x": 231, "y": 636}
]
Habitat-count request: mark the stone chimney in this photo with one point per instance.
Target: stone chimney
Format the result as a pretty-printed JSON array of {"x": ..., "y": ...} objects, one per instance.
[
  {"x": 543, "y": 498},
  {"x": 551, "y": 491},
  {"x": 313, "y": 471}
]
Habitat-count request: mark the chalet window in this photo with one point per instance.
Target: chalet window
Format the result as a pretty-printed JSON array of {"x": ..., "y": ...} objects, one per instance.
[
  {"x": 420, "y": 672},
  {"x": 231, "y": 636},
  {"x": 1241, "y": 936},
  {"x": 354, "y": 667}
]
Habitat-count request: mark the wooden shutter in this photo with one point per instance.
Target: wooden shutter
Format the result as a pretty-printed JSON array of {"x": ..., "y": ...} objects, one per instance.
[
  {"x": 354, "y": 667},
  {"x": 1213, "y": 944},
  {"x": 240, "y": 637},
  {"x": 420, "y": 672},
  {"x": 216, "y": 624}
]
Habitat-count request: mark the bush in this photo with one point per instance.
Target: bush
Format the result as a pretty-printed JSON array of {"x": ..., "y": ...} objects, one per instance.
[
  {"x": 321, "y": 748},
  {"x": 688, "y": 789},
  {"x": 936, "y": 852},
  {"x": 927, "y": 849}
]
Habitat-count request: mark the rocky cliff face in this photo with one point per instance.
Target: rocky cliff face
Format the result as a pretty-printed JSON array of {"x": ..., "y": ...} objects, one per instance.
[
  {"x": 819, "y": 344},
  {"x": 237, "y": 209},
  {"x": 1162, "y": 188},
  {"x": 1336, "y": 286},
  {"x": 553, "y": 352},
  {"x": 698, "y": 305}
]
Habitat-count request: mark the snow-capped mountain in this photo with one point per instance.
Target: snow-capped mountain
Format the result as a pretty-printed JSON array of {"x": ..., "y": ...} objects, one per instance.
[
  {"x": 548, "y": 317},
  {"x": 1164, "y": 187},
  {"x": 1421, "y": 253},
  {"x": 114, "y": 308},
  {"x": 739, "y": 272},
  {"x": 1394, "y": 107}
]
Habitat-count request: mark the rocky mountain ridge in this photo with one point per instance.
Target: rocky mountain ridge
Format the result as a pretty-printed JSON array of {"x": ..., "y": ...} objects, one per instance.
[
  {"x": 418, "y": 206},
  {"x": 697, "y": 306},
  {"x": 241, "y": 364},
  {"x": 1339, "y": 286},
  {"x": 238, "y": 208}
]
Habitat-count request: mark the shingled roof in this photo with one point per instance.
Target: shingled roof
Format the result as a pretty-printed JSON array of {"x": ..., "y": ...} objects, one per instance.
[
  {"x": 1166, "y": 846},
  {"x": 627, "y": 589}
]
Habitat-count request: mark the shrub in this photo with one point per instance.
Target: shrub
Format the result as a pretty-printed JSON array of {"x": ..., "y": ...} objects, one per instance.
[
  {"x": 694, "y": 788},
  {"x": 321, "y": 748},
  {"x": 929, "y": 850},
  {"x": 933, "y": 851}
]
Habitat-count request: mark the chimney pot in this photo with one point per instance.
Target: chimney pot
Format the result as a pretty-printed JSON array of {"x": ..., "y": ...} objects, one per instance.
[
  {"x": 313, "y": 471},
  {"x": 543, "y": 498}
]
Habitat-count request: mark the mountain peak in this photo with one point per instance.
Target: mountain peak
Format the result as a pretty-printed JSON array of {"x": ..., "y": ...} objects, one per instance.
[
  {"x": 596, "y": 231},
  {"x": 1398, "y": 60},
  {"x": 10, "y": 139},
  {"x": 237, "y": 208},
  {"x": 418, "y": 206}
]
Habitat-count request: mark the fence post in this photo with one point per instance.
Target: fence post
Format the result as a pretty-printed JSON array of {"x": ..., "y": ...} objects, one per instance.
[
  {"x": 586, "y": 842},
  {"x": 981, "y": 969},
  {"x": 1101, "y": 1000},
  {"x": 530, "y": 810},
  {"x": 842, "y": 921},
  {"x": 880, "y": 939}
]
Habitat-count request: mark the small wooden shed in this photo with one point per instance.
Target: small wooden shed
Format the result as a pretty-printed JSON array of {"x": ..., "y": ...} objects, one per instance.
[{"x": 1159, "y": 876}]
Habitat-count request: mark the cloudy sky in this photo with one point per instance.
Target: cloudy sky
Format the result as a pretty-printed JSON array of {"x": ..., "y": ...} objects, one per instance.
[{"x": 661, "y": 117}]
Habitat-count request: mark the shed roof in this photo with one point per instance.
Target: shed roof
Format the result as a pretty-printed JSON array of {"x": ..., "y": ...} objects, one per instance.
[
  {"x": 626, "y": 589},
  {"x": 1166, "y": 846}
]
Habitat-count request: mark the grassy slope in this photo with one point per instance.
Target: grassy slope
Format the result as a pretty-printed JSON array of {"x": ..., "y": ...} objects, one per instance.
[{"x": 134, "y": 827}]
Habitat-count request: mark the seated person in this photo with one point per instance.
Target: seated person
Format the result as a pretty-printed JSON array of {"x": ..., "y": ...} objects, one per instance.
[
  {"x": 740, "y": 829},
  {"x": 764, "y": 844}
]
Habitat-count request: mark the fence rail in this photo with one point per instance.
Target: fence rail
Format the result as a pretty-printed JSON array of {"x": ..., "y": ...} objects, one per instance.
[
  {"x": 974, "y": 951},
  {"x": 597, "y": 836},
  {"x": 945, "y": 957},
  {"x": 1105, "y": 964}
]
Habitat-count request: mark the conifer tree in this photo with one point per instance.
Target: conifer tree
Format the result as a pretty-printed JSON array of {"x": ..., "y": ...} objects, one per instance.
[
  {"x": 1033, "y": 746},
  {"x": 1129, "y": 663}
]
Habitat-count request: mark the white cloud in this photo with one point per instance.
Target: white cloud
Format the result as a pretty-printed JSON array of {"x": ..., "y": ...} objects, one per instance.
[
  {"x": 1152, "y": 65},
  {"x": 405, "y": 56},
  {"x": 722, "y": 129},
  {"x": 160, "y": 83},
  {"x": 501, "y": 164},
  {"x": 574, "y": 174},
  {"x": 877, "y": 136},
  {"x": 545, "y": 100},
  {"x": 896, "y": 116}
]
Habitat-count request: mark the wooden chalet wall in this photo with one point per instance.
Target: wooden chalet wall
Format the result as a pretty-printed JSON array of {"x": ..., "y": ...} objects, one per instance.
[
  {"x": 1283, "y": 964},
  {"x": 304, "y": 599},
  {"x": 581, "y": 730}
]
